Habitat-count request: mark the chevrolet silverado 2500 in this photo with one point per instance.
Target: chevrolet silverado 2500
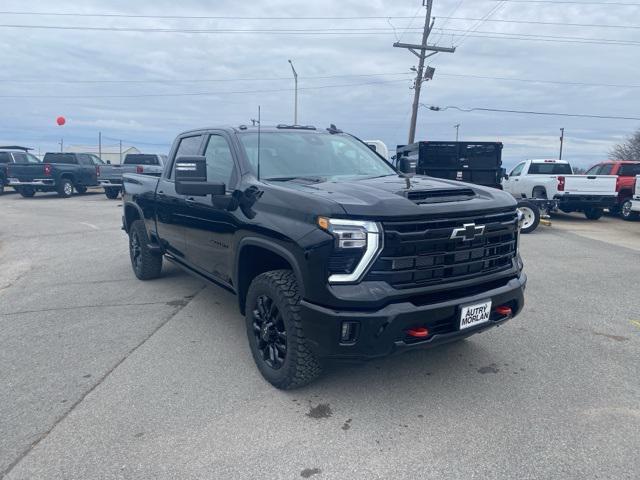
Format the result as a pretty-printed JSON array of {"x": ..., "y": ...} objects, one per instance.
[{"x": 332, "y": 253}]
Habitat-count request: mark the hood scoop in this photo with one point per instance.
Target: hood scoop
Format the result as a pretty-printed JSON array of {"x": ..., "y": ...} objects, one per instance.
[{"x": 439, "y": 196}]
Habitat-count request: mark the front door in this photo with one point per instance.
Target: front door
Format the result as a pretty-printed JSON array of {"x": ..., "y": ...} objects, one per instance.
[
  {"x": 211, "y": 228},
  {"x": 172, "y": 210},
  {"x": 511, "y": 184}
]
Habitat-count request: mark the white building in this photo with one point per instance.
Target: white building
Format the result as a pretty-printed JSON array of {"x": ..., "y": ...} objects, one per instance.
[{"x": 109, "y": 153}]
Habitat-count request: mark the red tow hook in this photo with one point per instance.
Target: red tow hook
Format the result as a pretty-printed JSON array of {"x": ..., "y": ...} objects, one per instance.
[
  {"x": 503, "y": 310},
  {"x": 419, "y": 332}
]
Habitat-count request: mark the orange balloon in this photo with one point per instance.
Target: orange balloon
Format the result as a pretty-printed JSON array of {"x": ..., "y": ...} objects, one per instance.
[{"x": 61, "y": 121}]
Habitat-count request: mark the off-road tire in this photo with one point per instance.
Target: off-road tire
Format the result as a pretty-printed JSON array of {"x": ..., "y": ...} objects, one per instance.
[
  {"x": 65, "y": 188},
  {"x": 300, "y": 365},
  {"x": 111, "y": 192},
  {"x": 81, "y": 189},
  {"x": 146, "y": 264},
  {"x": 593, "y": 213},
  {"x": 26, "y": 192}
]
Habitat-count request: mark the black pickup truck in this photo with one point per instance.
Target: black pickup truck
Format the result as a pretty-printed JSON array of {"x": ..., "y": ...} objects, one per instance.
[
  {"x": 9, "y": 156},
  {"x": 332, "y": 253},
  {"x": 58, "y": 172}
]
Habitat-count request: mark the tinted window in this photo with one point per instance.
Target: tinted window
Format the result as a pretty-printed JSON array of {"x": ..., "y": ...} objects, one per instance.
[
  {"x": 219, "y": 160},
  {"x": 84, "y": 159},
  {"x": 516, "y": 171},
  {"x": 60, "y": 158},
  {"x": 550, "y": 169},
  {"x": 32, "y": 158},
  {"x": 606, "y": 169},
  {"x": 189, "y": 146},
  {"x": 141, "y": 159},
  {"x": 593, "y": 170},
  {"x": 629, "y": 169},
  {"x": 20, "y": 157},
  {"x": 5, "y": 157}
]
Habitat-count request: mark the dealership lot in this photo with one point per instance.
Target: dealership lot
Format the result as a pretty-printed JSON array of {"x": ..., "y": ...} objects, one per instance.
[{"x": 104, "y": 376}]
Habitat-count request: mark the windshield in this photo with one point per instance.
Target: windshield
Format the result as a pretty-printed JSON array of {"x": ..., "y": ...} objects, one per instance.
[{"x": 286, "y": 155}]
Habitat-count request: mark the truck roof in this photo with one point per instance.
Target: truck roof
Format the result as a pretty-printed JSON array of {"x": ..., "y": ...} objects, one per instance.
[
  {"x": 263, "y": 129},
  {"x": 547, "y": 160}
]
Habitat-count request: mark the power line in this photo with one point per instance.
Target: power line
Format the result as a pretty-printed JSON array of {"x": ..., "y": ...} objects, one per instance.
[
  {"x": 202, "y": 94},
  {"x": 527, "y": 112},
  {"x": 538, "y": 36},
  {"x": 528, "y": 80},
  {"x": 477, "y": 25},
  {"x": 624, "y": 4},
  {"x": 209, "y": 80},
  {"x": 537, "y": 22}
]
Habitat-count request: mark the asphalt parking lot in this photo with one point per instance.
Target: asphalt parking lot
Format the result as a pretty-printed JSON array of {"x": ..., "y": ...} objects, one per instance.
[{"x": 104, "y": 376}]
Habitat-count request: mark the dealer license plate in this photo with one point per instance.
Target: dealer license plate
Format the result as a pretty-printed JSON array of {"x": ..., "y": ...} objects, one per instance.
[{"x": 475, "y": 314}]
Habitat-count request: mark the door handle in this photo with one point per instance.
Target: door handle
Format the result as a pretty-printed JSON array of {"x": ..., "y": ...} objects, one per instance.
[
  {"x": 161, "y": 192},
  {"x": 191, "y": 200}
]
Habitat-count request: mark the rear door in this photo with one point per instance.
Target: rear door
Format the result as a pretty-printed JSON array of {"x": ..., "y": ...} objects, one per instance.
[
  {"x": 211, "y": 228},
  {"x": 171, "y": 209}
]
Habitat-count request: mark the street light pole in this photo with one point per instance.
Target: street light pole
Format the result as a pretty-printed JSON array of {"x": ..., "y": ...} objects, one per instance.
[
  {"x": 295, "y": 101},
  {"x": 457, "y": 127},
  {"x": 561, "y": 142}
]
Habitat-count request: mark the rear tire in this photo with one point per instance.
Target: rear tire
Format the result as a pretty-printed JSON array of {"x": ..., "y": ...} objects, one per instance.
[
  {"x": 111, "y": 193},
  {"x": 1, "y": 186},
  {"x": 275, "y": 334},
  {"x": 81, "y": 189},
  {"x": 531, "y": 214},
  {"x": 593, "y": 213},
  {"x": 626, "y": 212},
  {"x": 26, "y": 192},
  {"x": 146, "y": 264},
  {"x": 65, "y": 188}
]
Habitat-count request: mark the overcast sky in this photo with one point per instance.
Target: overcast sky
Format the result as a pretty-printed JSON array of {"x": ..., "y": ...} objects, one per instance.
[{"x": 40, "y": 66}]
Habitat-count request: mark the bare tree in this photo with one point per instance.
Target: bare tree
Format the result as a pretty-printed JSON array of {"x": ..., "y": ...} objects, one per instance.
[{"x": 628, "y": 150}]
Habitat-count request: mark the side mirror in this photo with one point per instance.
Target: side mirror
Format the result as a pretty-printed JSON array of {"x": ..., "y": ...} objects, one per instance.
[
  {"x": 191, "y": 178},
  {"x": 504, "y": 174},
  {"x": 108, "y": 162},
  {"x": 406, "y": 166}
]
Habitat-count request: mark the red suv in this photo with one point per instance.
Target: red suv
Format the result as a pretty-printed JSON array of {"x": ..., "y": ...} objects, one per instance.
[{"x": 626, "y": 172}]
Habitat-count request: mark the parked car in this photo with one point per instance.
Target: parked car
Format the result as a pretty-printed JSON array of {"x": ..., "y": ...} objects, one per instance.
[
  {"x": 331, "y": 252},
  {"x": 626, "y": 173},
  {"x": 379, "y": 147},
  {"x": 111, "y": 175},
  {"x": 58, "y": 172},
  {"x": 10, "y": 155},
  {"x": 631, "y": 208},
  {"x": 554, "y": 179}
]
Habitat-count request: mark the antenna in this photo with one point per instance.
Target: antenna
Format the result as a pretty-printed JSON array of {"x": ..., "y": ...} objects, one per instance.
[{"x": 258, "y": 142}]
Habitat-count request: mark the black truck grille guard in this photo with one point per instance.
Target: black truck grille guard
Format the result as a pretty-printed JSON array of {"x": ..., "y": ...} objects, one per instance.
[{"x": 421, "y": 252}]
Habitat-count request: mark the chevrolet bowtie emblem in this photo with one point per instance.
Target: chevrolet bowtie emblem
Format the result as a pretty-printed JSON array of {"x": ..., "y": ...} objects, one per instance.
[{"x": 468, "y": 232}]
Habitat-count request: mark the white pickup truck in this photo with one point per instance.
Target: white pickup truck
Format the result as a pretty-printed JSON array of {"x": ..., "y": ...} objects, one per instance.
[
  {"x": 631, "y": 208},
  {"x": 554, "y": 180}
]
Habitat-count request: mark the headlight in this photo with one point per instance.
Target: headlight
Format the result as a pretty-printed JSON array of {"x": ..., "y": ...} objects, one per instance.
[{"x": 357, "y": 243}]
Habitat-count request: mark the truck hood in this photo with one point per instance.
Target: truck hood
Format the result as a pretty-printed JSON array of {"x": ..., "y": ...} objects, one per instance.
[{"x": 393, "y": 196}]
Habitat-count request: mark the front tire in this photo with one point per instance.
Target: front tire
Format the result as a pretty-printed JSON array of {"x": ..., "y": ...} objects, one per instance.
[
  {"x": 275, "y": 334},
  {"x": 593, "y": 213},
  {"x": 81, "y": 189},
  {"x": 627, "y": 213},
  {"x": 531, "y": 214},
  {"x": 65, "y": 188},
  {"x": 111, "y": 193},
  {"x": 146, "y": 264}
]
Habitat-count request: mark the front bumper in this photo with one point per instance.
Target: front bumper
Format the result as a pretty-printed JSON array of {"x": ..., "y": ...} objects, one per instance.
[
  {"x": 383, "y": 332},
  {"x": 580, "y": 201}
]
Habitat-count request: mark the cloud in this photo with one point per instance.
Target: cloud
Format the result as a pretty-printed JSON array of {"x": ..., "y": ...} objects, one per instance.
[{"x": 379, "y": 109}]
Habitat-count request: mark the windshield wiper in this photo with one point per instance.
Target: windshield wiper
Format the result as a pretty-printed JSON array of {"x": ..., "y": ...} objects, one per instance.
[{"x": 288, "y": 179}]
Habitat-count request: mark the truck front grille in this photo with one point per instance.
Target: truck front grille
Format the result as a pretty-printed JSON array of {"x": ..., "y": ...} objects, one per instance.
[{"x": 422, "y": 252}]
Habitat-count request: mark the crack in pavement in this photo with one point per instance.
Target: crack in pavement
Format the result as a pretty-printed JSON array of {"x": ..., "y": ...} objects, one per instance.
[
  {"x": 56, "y": 422},
  {"x": 106, "y": 305}
]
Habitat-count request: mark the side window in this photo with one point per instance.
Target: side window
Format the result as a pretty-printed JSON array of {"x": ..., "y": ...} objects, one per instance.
[
  {"x": 219, "y": 160},
  {"x": 516, "y": 171},
  {"x": 188, "y": 146},
  {"x": 593, "y": 170},
  {"x": 20, "y": 157},
  {"x": 32, "y": 158},
  {"x": 606, "y": 169},
  {"x": 84, "y": 159},
  {"x": 5, "y": 157}
]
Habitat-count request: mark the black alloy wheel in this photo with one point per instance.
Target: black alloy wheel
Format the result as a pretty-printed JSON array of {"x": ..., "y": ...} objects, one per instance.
[
  {"x": 136, "y": 250},
  {"x": 270, "y": 332}
]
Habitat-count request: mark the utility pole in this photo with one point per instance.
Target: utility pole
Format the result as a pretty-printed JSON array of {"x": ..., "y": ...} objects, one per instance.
[
  {"x": 120, "y": 152},
  {"x": 61, "y": 145},
  {"x": 561, "y": 142},
  {"x": 457, "y": 127},
  {"x": 420, "y": 77},
  {"x": 100, "y": 145},
  {"x": 295, "y": 101}
]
